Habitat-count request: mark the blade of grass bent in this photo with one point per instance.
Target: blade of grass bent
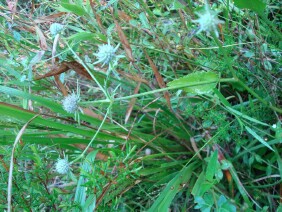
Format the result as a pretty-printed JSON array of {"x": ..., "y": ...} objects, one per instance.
[{"x": 9, "y": 195}]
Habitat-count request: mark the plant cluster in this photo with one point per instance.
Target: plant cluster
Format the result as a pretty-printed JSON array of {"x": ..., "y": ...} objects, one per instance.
[{"x": 140, "y": 105}]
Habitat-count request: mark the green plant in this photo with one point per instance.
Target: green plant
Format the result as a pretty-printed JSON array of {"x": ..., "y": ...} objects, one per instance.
[{"x": 175, "y": 117}]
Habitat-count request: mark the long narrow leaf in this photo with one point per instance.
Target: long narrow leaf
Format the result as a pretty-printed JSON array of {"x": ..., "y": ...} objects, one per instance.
[
  {"x": 256, "y": 136},
  {"x": 173, "y": 187}
]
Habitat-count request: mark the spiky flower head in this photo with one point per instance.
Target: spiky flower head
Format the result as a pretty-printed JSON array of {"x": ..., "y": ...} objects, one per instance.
[
  {"x": 56, "y": 28},
  {"x": 106, "y": 53},
  {"x": 70, "y": 103},
  {"x": 62, "y": 166},
  {"x": 208, "y": 21}
]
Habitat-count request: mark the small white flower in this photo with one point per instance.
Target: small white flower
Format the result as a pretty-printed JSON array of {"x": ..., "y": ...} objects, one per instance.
[
  {"x": 56, "y": 28},
  {"x": 148, "y": 151},
  {"x": 274, "y": 126},
  {"x": 62, "y": 166},
  {"x": 208, "y": 21},
  {"x": 106, "y": 53},
  {"x": 70, "y": 103}
]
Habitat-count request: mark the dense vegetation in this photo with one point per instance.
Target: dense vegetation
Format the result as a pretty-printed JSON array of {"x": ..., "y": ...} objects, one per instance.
[{"x": 138, "y": 105}]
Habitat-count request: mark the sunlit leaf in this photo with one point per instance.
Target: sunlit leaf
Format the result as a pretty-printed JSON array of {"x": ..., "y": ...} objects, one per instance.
[
  {"x": 260, "y": 139},
  {"x": 197, "y": 82},
  {"x": 85, "y": 36},
  {"x": 66, "y": 7},
  {"x": 254, "y": 5}
]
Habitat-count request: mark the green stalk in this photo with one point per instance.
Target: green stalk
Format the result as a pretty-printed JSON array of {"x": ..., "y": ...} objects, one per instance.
[
  {"x": 154, "y": 91},
  {"x": 87, "y": 69},
  {"x": 226, "y": 58},
  {"x": 93, "y": 138}
]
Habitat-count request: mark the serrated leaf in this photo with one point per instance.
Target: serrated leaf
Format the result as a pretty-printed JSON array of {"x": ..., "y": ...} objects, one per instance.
[
  {"x": 257, "y": 6},
  {"x": 197, "y": 83}
]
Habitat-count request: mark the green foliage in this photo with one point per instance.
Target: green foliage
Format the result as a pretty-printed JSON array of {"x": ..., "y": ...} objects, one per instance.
[
  {"x": 255, "y": 5},
  {"x": 172, "y": 114},
  {"x": 207, "y": 82},
  {"x": 165, "y": 198}
]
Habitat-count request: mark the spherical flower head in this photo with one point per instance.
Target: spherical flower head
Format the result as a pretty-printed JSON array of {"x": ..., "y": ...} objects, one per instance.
[
  {"x": 56, "y": 28},
  {"x": 208, "y": 21},
  {"x": 70, "y": 103},
  {"x": 148, "y": 151},
  {"x": 106, "y": 53},
  {"x": 62, "y": 166}
]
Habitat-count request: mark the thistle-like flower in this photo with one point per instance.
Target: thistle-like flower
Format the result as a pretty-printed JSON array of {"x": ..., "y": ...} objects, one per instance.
[
  {"x": 208, "y": 21},
  {"x": 106, "y": 53},
  {"x": 70, "y": 103},
  {"x": 63, "y": 166},
  {"x": 56, "y": 28}
]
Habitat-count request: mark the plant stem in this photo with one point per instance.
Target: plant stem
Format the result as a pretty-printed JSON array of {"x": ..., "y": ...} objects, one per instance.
[
  {"x": 226, "y": 58},
  {"x": 155, "y": 91},
  {"x": 95, "y": 135},
  {"x": 87, "y": 69}
]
